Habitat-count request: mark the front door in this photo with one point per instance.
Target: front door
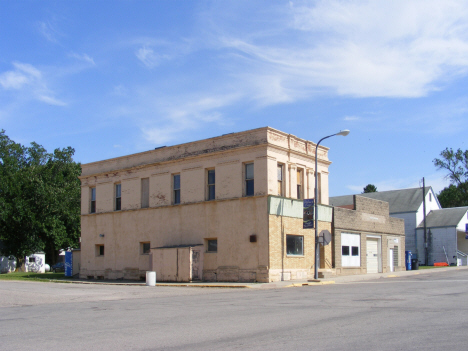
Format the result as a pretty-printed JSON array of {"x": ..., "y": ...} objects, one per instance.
[
  {"x": 390, "y": 261},
  {"x": 372, "y": 256},
  {"x": 195, "y": 264}
]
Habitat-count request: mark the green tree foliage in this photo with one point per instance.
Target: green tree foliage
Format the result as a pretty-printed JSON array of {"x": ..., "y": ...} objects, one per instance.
[
  {"x": 456, "y": 164},
  {"x": 370, "y": 188},
  {"x": 39, "y": 199}
]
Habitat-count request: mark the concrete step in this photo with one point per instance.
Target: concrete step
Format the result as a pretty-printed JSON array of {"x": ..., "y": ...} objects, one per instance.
[{"x": 326, "y": 273}]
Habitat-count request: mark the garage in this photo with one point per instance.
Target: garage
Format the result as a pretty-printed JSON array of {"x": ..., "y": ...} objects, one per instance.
[{"x": 372, "y": 255}]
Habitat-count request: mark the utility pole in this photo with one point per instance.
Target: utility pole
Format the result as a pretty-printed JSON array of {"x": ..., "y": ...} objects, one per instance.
[{"x": 425, "y": 234}]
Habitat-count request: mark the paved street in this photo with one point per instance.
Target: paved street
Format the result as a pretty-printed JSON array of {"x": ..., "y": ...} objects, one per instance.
[{"x": 426, "y": 311}]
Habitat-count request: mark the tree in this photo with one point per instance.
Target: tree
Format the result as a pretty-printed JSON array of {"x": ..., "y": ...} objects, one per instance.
[
  {"x": 456, "y": 163},
  {"x": 452, "y": 196},
  {"x": 369, "y": 188},
  {"x": 39, "y": 199}
]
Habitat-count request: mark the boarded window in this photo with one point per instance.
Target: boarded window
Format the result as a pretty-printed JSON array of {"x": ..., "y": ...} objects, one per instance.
[
  {"x": 144, "y": 192},
  {"x": 300, "y": 181},
  {"x": 280, "y": 180}
]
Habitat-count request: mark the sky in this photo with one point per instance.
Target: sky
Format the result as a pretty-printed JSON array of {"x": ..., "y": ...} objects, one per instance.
[{"x": 112, "y": 78}]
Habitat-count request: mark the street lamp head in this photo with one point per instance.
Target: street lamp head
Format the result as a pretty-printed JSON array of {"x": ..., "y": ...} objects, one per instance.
[{"x": 343, "y": 132}]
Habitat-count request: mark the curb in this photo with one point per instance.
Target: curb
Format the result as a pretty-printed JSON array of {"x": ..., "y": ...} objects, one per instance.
[{"x": 327, "y": 282}]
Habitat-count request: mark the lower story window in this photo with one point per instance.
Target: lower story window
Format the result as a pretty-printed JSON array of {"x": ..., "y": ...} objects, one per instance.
[
  {"x": 212, "y": 245},
  {"x": 99, "y": 250},
  {"x": 145, "y": 248},
  {"x": 295, "y": 245}
]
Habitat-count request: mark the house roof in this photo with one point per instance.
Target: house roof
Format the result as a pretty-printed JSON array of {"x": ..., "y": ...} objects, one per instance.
[
  {"x": 446, "y": 217},
  {"x": 404, "y": 200}
]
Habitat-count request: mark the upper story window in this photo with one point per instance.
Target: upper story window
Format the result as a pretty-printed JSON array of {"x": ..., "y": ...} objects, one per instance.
[
  {"x": 176, "y": 184},
  {"x": 118, "y": 197},
  {"x": 144, "y": 192},
  {"x": 249, "y": 179},
  {"x": 211, "y": 184},
  {"x": 430, "y": 197},
  {"x": 280, "y": 180},
  {"x": 300, "y": 181},
  {"x": 92, "y": 208}
]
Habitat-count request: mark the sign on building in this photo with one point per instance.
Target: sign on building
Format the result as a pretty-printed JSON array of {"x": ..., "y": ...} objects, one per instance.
[{"x": 308, "y": 214}]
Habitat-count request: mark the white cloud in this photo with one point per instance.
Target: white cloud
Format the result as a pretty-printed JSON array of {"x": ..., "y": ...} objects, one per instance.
[
  {"x": 148, "y": 57},
  {"x": 182, "y": 115},
  {"x": 47, "y": 30},
  {"x": 435, "y": 180},
  {"x": 23, "y": 74},
  {"x": 13, "y": 80},
  {"x": 28, "y": 79},
  {"x": 48, "y": 99},
  {"x": 83, "y": 57},
  {"x": 351, "y": 118},
  {"x": 358, "y": 49}
]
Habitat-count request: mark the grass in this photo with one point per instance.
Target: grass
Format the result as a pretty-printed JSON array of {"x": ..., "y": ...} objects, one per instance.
[
  {"x": 29, "y": 276},
  {"x": 435, "y": 267}
]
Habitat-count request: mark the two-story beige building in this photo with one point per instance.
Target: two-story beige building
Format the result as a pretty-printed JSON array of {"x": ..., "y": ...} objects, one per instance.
[{"x": 220, "y": 209}]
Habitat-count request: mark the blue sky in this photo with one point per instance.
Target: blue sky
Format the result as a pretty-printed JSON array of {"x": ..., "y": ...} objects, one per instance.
[{"x": 111, "y": 78}]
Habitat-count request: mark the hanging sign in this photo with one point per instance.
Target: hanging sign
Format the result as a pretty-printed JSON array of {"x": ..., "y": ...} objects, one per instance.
[{"x": 309, "y": 216}]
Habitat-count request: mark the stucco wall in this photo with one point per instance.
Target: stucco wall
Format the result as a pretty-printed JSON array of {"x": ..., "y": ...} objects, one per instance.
[
  {"x": 230, "y": 221},
  {"x": 231, "y": 217}
]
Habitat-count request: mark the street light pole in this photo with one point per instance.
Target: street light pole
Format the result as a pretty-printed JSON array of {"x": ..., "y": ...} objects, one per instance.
[{"x": 317, "y": 245}]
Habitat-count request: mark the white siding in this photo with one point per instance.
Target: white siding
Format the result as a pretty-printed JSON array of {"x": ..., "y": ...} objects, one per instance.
[
  {"x": 410, "y": 230},
  {"x": 430, "y": 206},
  {"x": 441, "y": 237}
]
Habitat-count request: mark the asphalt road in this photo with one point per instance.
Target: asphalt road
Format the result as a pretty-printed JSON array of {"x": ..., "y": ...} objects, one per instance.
[{"x": 418, "y": 312}]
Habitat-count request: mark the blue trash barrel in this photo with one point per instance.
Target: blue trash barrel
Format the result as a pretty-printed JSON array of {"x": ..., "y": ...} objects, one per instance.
[
  {"x": 408, "y": 257},
  {"x": 68, "y": 264}
]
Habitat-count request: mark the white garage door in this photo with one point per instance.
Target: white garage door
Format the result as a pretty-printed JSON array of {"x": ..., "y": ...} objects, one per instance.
[{"x": 372, "y": 256}]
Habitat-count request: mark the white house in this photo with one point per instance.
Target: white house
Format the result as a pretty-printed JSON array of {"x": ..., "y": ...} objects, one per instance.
[
  {"x": 446, "y": 235},
  {"x": 406, "y": 204}
]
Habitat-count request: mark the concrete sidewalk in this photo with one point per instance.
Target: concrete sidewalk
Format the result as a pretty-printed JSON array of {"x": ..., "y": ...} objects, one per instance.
[{"x": 282, "y": 284}]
